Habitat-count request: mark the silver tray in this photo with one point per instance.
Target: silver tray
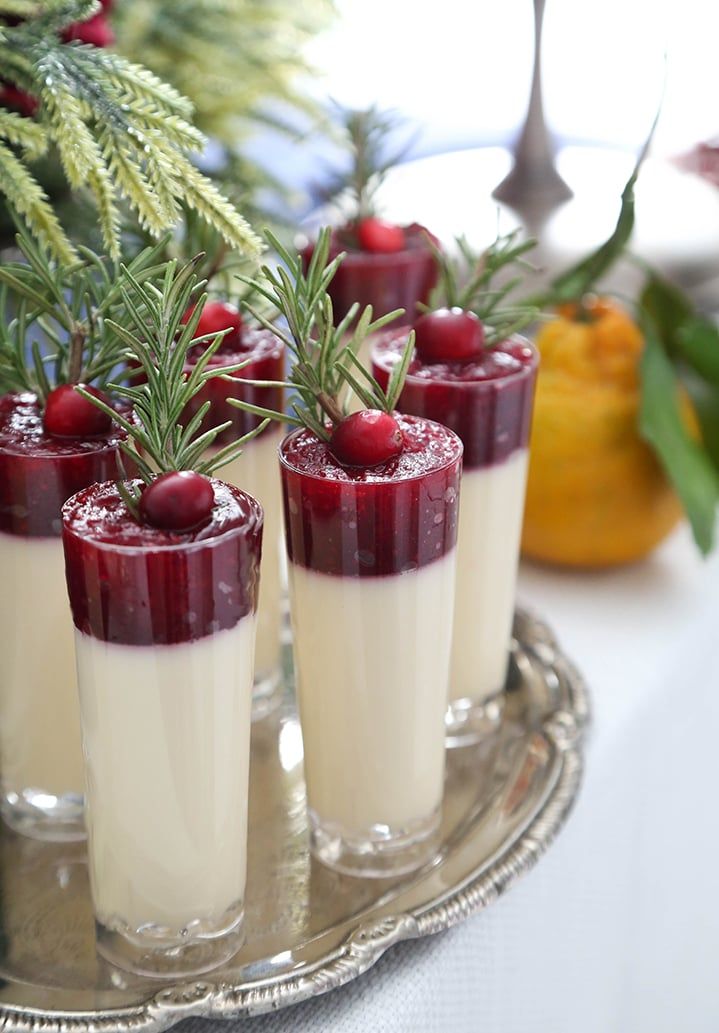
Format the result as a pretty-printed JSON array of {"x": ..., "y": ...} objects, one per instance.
[{"x": 309, "y": 930}]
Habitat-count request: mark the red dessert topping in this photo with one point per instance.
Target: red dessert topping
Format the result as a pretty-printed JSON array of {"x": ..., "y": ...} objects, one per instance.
[
  {"x": 177, "y": 501},
  {"x": 380, "y": 237},
  {"x": 38, "y": 472},
  {"x": 449, "y": 335},
  {"x": 69, "y": 415},
  {"x": 386, "y": 281},
  {"x": 487, "y": 401},
  {"x": 372, "y": 521},
  {"x": 216, "y": 317},
  {"x": 366, "y": 438},
  {"x": 139, "y": 585}
]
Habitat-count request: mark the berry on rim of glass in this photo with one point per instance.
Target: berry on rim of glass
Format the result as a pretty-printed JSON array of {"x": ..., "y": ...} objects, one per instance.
[
  {"x": 449, "y": 335},
  {"x": 366, "y": 438},
  {"x": 180, "y": 500},
  {"x": 380, "y": 237},
  {"x": 69, "y": 415},
  {"x": 216, "y": 317}
]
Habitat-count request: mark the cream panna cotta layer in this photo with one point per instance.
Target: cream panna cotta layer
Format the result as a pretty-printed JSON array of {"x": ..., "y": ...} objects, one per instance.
[
  {"x": 39, "y": 709},
  {"x": 491, "y": 506},
  {"x": 167, "y": 777},
  {"x": 371, "y": 658},
  {"x": 256, "y": 471}
]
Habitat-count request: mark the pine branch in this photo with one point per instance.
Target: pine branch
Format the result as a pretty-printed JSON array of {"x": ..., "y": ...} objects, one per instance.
[{"x": 119, "y": 130}]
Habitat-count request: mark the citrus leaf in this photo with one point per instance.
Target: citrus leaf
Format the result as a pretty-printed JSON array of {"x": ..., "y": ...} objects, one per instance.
[
  {"x": 698, "y": 345},
  {"x": 685, "y": 461}
]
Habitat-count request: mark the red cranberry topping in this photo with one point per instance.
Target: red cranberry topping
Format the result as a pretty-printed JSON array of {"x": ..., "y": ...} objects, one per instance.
[
  {"x": 449, "y": 335},
  {"x": 177, "y": 501},
  {"x": 69, "y": 415},
  {"x": 267, "y": 354},
  {"x": 95, "y": 30},
  {"x": 366, "y": 438},
  {"x": 18, "y": 100},
  {"x": 38, "y": 472},
  {"x": 216, "y": 317},
  {"x": 387, "y": 281},
  {"x": 372, "y": 522},
  {"x": 487, "y": 402},
  {"x": 138, "y": 585},
  {"x": 380, "y": 237}
]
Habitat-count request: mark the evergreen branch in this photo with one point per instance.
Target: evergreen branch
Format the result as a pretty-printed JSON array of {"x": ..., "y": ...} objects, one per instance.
[
  {"x": 119, "y": 130},
  {"x": 25, "y": 195}
]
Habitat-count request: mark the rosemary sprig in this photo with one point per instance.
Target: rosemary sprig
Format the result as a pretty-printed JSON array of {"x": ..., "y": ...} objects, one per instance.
[
  {"x": 324, "y": 357},
  {"x": 54, "y": 318},
  {"x": 467, "y": 281},
  {"x": 365, "y": 133},
  {"x": 157, "y": 340}
]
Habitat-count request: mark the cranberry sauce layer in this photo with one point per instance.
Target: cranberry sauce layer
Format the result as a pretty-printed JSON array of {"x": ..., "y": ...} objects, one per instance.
[
  {"x": 400, "y": 279},
  {"x": 38, "y": 473},
  {"x": 137, "y": 585},
  {"x": 267, "y": 353},
  {"x": 389, "y": 519},
  {"x": 487, "y": 402}
]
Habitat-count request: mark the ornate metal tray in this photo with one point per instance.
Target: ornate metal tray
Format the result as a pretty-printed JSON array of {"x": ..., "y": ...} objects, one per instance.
[{"x": 308, "y": 929}]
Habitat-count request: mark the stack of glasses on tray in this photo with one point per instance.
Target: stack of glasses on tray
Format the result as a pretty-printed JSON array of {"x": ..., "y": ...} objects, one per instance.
[{"x": 397, "y": 514}]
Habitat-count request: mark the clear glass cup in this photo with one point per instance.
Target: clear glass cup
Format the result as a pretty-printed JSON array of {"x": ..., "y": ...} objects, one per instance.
[
  {"x": 164, "y": 636},
  {"x": 256, "y": 472},
  {"x": 371, "y": 574},
  {"x": 40, "y": 753},
  {"x": 489, "y": 405}
]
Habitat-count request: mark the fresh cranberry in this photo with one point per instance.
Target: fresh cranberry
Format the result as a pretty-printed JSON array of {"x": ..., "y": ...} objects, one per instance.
[
  {"x": 366, "y": 438},
  {"x": 449, "y": 335},
  {"x": 216, "y": 317},
  {"x": 177, "y": 501},
  {"x": 380, "y": 237},
  {"x": 95, "y": 30},
  {"x": 69, "y": 415},
  {"x": 18, "y": 100}
]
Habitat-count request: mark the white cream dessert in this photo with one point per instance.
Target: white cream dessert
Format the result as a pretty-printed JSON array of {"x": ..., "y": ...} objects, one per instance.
[
  {"x": 485, "y": 395},
  {"x": 371, "y": 555},
  {"x": 165, "y": 628},
  {"x": 167, "y": 832},
  {"x": 256, "y": 471},
  {"x": 40, "y": 753}
]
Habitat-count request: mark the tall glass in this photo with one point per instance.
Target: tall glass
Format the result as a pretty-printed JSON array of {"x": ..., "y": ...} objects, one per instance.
[
  {"x": 488, "y": 403},
  {"x": 371, "y": 572},
  {"x": 40, "y": 753},
  {"x": 255, "y": 471},
  {"x": 164, "y": 636}
]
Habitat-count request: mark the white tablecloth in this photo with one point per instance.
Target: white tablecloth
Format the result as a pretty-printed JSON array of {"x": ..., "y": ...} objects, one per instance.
[{"x": 617, "y": 928}]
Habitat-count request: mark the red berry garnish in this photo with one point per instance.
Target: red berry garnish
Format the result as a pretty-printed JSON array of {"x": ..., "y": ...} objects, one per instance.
[
  {"x": 177, "y": 501},
  {"x": 366, "y": 438},
  {"x": 449, "y": 335},
  {"x": 18, "y": 100},
  {"x": 380, "y": 237},
  {"x": 216, "y": 317},
  {"x": 95, "y": 30},
  {"x": 69, "y": 415}
]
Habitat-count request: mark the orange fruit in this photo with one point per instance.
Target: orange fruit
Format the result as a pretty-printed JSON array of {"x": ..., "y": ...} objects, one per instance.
[{"x": 596, "y": 494}]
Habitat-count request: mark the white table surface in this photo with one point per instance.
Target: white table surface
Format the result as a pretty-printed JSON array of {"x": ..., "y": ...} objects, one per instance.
[{"x": 617, "y": 928}]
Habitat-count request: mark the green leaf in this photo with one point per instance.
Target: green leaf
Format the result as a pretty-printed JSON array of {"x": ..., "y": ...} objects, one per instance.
[
  {"x": 579, "y": 279},
  {"x": 686, "y": 463},
  {"x": 698, "y": 345}
]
